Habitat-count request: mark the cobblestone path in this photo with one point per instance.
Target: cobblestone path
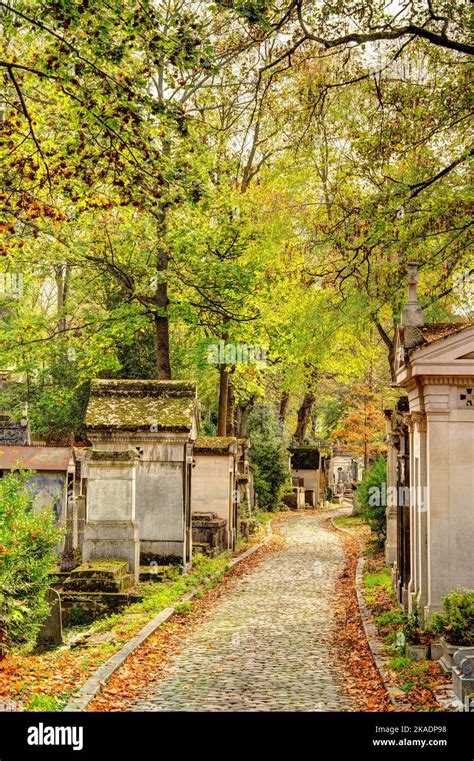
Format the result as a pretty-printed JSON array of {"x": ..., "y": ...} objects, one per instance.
[{"x": 266, "y": 646}]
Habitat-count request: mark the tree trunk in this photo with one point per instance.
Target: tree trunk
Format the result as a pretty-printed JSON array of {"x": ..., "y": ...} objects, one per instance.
[
  {"x": 161, "y": 302},
  {"x": 283, "y": 408},
  {"x": 391, "y": 361},
  {"x": 390, "y": 344},
  {"x": 230, "y": 416},
  {"x": 62, "y": 277},
  {"x": 304, "y": 416},
  {"x": 223, "y": 396},
  {"x": 162, "y": 338},
  {"x": 245, "y": 412}
]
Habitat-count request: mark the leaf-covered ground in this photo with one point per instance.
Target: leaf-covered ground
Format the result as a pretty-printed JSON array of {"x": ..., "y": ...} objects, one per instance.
[
  {"x": 417, "y": 681},
  {"x": 148, "y": 664},
  {"x": 44, "y": 682},
  {"x": 362, "y": 680}
]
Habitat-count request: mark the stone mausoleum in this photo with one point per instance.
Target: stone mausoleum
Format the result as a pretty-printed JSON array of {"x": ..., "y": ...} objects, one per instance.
[
  {"x": 430, "y": 521},
  {"x": 158, "y": 419},
  {"x": 305, "y": 462},
  {"x": 214, "y": 484}
]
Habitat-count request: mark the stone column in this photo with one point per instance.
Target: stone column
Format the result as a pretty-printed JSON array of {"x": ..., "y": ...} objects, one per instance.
[
  {"x": 403, "y": 517},
  {"x": 413, "y": 583},
  {"x": 438, "y": 535},
  {"x": 391, "y": 510},
  {"x": 420, "y": 507},
  {"x": 111, "y": 531}
]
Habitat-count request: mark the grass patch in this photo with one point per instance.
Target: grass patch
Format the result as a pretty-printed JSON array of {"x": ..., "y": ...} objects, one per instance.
[
  {"x": 381, "y": 579},
  {"x": 411, "y": 673},
  {"x": 349, "y": 520},
  {"x": 183, "y": 608},
  {"x": 44, "y": 703},
  {"x": 261, "y": 518},
  {"x": 399, "y": 663}
]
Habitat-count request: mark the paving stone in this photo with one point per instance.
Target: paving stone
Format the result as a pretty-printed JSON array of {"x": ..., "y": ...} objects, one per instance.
[{"x": 266, "y": 645}]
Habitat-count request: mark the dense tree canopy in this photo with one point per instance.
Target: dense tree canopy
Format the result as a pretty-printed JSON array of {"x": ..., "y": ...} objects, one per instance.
[{"x": 176, "y": 174}]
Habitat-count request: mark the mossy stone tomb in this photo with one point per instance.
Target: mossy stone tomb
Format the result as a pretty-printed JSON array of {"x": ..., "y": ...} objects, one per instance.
[{"x": 160, "y": 420}]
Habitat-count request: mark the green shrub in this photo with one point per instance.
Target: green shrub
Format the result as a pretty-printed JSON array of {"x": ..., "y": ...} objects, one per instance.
[
  {"x": 27, "y": 540},
  {"x": 56, "y": 398},
  {"x": 268, "y": 457},
  {"x": 77, "y": 616},
  {"x": 390, "y": 618},
  {"x": 415, "y": 633},
  {"x": 456, "y": 624},
  {"x": 370, "y": 494},
  {"x": 329, "y": 493}
]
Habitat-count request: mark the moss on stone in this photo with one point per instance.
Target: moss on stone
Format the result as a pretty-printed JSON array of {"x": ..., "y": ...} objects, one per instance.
[
  {"x": 104, "y": 456},
  {"x": 214, "y": 444},
  {"x": 141, "y": 405},
  {"x": 96, "y": 568}
]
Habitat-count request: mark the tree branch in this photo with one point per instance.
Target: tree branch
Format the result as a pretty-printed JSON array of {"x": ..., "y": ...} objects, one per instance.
[{"x": 30, "y": 123}]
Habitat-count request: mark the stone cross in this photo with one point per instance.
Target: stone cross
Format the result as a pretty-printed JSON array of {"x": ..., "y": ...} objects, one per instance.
[
  {"x": 412, "y": 314},
  {"x": 412, "y": 282}
]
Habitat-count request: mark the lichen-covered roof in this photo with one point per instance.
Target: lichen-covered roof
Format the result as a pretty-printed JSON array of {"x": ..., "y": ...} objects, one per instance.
[
  {"x": 214, "y": 444},
  {"x": 413, "y": 338},
  {"x": 437, "y": 330},
  {"x": 133, "y": 405},
  {"x": 36, "y": 458},
  {"x": 105, "y": 455}
]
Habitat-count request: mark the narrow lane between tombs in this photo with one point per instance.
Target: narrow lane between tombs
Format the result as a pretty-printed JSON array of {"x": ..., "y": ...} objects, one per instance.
[{"x": 266, "y": 646}]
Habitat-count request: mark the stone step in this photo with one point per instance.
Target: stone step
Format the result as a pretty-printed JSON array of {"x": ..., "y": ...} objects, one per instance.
[
  {"x": 99, "y": 584},
  {"x": 85, "y": 607},
  {"x": 100, "y": 576},
  {"x": 107, "y": 569}
]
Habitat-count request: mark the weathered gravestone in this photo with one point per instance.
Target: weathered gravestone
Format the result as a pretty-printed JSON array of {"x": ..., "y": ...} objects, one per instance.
[{"x": 51, "y": 632}]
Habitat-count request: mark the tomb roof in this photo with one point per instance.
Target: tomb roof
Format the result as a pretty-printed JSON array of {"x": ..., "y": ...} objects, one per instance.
[
  {"x": 36, "y": 458},
  {"x": 304, "y": 457},
  {"x": 214, "y": 444},
  {"x": 415, "y": 337},
  {"x": 438, "y": 330},
  {"x": 141, "y": 405}
]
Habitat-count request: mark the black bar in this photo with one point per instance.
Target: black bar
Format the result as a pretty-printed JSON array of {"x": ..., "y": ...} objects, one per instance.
[{"x": 167, "y": 736}]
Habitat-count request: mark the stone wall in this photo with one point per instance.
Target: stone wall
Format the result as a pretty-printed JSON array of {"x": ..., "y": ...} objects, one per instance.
[{"x": 13, "y": 434}]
